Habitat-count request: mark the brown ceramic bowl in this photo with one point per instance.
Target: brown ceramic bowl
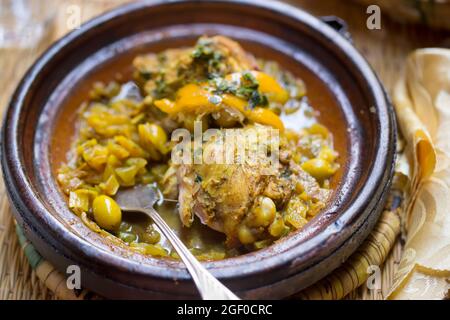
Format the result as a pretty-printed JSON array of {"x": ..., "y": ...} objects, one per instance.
[{"x": 39, "y": 125}]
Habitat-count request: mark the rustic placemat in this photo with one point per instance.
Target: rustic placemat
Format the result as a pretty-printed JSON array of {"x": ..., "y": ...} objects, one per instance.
[
  {"x": 348, "y": 281},
  {"x": 385, "y": 49}
]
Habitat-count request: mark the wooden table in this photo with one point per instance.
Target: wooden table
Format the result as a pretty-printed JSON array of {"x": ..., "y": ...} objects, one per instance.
[{"x": 385, "y": 49}]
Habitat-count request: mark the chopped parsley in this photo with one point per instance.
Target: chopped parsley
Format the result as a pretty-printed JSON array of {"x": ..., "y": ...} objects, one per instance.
[
  {"x": 145, "y": 74},
  {"x": 203, "y": 49},
  {"x": 247, "y": 89},
  {"x": 213, "y": 60},
  {"x": 205, "y": 54},
  {"x": 198, "y": 178},
  {"x": 249, "y": 80},
  {"x": 257, "y": 99},
  {"x": 286, "y": 173},
  {"x": 161, "y": 87}
]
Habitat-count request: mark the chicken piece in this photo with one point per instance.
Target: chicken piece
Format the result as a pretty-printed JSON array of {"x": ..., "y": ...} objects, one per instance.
[
  {"x": 309, "y": 184},
  {"x": 222, "y": 195},
  {"x": 279, "y": 188},
  {"x": 225, "y": 196},
  {"x": 212, "y": 57},
  {"x": 170, "y": 183},
  {"x": 161, "y": 75},
  {"x": 186, "y": 181},
  {"x": 236, "y": 56}
]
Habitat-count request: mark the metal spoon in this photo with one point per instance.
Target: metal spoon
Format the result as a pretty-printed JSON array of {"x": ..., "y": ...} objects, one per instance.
[{"x": 142, "y": 199}]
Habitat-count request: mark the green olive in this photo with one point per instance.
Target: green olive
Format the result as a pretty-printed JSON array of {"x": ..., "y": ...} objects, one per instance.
[
  {"x": 245, "y": 235},
  {"x": 151, "y": 237},
  {"x": 125, "y": 227},
  {"x": 154, "y": 135},
  {"x": 264, "y": 213},
  {"x": 319, "y": 168},
  {"x": 107, "y": 213},
  {"x": 127, "y": 236}
]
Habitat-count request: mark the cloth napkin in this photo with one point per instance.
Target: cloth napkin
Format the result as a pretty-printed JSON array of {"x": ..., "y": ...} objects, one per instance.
[{"x": 422, "y": 103}]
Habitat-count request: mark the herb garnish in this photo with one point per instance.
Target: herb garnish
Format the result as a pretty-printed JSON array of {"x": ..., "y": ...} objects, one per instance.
[
  {"x": 161, "y": 86},
  {"x": 205, "y": 54},
  {"x": 247, "y": 89},
  {"x": 198, "y": 178},
  {"x": 257, "y": 99}
]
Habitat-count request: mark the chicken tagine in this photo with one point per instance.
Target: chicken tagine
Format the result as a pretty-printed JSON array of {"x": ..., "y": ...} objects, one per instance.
[{"x": 125, "y": 137}]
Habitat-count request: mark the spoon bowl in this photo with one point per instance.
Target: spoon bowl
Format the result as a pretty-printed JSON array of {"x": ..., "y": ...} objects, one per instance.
[{"x": 142, "y": 199}]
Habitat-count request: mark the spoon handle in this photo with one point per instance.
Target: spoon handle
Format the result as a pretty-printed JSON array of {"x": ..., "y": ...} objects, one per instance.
[{"x": 209, "y": 287}]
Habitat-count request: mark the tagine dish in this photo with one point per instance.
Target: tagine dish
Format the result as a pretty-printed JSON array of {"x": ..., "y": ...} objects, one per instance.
[{"x": 129, "y": 134}]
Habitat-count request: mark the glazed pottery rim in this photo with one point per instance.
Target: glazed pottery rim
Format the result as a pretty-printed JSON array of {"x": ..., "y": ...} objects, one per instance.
[{"x": 16, "y": 179}]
